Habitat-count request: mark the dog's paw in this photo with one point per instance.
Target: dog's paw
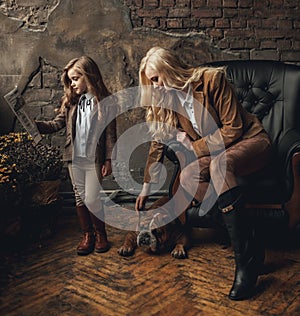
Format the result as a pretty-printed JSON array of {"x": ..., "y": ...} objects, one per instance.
[
  {"x": 179, "y": 252},
  {"x": 126, "y": 251},
  {"x": 129, "y": 245}
]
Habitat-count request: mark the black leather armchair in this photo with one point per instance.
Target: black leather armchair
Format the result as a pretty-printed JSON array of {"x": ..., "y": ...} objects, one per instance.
[{"x": 270, "y": 90}]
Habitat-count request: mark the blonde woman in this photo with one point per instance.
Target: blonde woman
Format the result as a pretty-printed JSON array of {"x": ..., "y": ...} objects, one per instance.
[{"x": 203, "y": 94}]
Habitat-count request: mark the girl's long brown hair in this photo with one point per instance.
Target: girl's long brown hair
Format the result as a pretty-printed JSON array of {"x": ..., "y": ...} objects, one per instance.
[{"x": 86, "y": 67}]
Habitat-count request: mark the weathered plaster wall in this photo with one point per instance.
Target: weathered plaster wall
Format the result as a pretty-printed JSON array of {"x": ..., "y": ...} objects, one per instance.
[
  {"x": 38, "y": 37},
  {"x": 38, "y": 31}
]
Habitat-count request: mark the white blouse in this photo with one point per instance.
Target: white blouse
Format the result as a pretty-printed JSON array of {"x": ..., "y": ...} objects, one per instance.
[
  {"x": 85, "y": 109},
  {"x": 187, "y": 102}
]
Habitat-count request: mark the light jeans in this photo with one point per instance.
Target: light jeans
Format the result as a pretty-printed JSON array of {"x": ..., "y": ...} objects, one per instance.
[{"x": 86, "y": 184}]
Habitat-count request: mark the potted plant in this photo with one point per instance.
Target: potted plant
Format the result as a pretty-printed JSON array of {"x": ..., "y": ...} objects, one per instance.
[{"x": 29, "y": 177}]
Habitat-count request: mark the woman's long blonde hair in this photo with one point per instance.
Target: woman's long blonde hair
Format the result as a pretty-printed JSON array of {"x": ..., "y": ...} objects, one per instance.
[
  {"x": 174, "y": 74},
  {"x": 88, "y": 68}
]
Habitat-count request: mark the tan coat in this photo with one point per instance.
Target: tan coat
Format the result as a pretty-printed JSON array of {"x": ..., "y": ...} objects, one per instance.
[
  {"x": 104, "y": 138},
  {"x": 222, "y": 120}
]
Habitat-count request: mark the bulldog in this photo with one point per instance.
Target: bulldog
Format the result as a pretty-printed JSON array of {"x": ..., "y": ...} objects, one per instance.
[{"x": 157, "y": 237}]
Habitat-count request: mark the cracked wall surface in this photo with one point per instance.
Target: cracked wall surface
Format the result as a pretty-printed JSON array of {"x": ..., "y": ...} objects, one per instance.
[
  {"x": 32, "y": 15},
  {"x": 42, "y": 36},
  {"x": 57, "y": 31}
]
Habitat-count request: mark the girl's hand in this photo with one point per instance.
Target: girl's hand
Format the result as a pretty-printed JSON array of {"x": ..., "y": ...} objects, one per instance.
[
  {"x": 184, "y": 140},
  {"x": 106, "y": 168}
]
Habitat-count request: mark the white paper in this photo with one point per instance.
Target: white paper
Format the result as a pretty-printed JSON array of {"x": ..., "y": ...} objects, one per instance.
[{"x": 13, "y": 100}]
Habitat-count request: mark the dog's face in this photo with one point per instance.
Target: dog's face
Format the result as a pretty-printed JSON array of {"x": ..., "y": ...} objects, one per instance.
[
  {"x": 160, "y": 231},
  {"x": 157, "y": 234}
]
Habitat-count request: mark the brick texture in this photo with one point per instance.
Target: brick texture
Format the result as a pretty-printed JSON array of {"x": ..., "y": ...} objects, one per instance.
[{"x": 257, "y": 29}]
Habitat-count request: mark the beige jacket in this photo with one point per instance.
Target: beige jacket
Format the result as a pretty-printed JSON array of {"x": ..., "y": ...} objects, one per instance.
[{"x": 222, "y": 120}]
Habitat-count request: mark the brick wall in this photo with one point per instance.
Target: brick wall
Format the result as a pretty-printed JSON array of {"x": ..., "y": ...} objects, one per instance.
[{"x": 256, "y": 29}]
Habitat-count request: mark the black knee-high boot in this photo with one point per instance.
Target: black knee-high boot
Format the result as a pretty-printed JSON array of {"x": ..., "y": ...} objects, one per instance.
[{"x": 248, "y": 251}]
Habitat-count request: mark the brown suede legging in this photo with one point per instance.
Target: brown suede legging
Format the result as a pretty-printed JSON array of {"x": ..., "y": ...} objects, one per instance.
[{"x": 213, "y": 176}]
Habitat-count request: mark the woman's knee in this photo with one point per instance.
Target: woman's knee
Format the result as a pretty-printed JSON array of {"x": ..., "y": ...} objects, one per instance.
[
  {"x": 222, "y": 170},
  {"x": 193, "y": 175},
  {"x": 185, "y": 177},
  {"x": 220, "y": 164}
]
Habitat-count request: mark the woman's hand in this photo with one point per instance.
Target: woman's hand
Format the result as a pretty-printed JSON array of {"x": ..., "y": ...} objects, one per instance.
[
  {"x": 106, "y": 168},
  {"x": 140, "y": 202},
  {"x": 184, "y": 140},
  {"x": 142, "y": 198}
]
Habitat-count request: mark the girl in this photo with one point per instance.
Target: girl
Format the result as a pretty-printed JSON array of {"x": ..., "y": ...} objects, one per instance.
[
  {"x": 242, "y": 148},
  {"x": 87, "y": 151}
]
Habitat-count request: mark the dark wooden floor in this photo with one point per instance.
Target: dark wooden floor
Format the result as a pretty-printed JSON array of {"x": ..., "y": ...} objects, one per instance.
[{"x": 49, "y": 278}]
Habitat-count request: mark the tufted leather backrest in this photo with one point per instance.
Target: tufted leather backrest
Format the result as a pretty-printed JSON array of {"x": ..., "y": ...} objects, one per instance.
[{"x": 270, "y": 90}]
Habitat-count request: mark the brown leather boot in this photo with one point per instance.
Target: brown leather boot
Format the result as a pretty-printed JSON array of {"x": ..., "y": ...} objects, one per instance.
[
  {"x": 101, "y": 242},
  {"x": 87, "y": 243}
]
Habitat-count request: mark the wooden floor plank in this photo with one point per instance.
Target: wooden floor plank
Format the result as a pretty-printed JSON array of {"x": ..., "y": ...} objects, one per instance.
[{"x": 49, "y": 278}]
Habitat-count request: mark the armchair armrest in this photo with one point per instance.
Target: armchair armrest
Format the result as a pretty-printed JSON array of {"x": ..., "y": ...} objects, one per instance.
[
  {"x": 293, "y": 205},
  {"x": 287, "y": 147},
  {"x": 289, "y": 144}
]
